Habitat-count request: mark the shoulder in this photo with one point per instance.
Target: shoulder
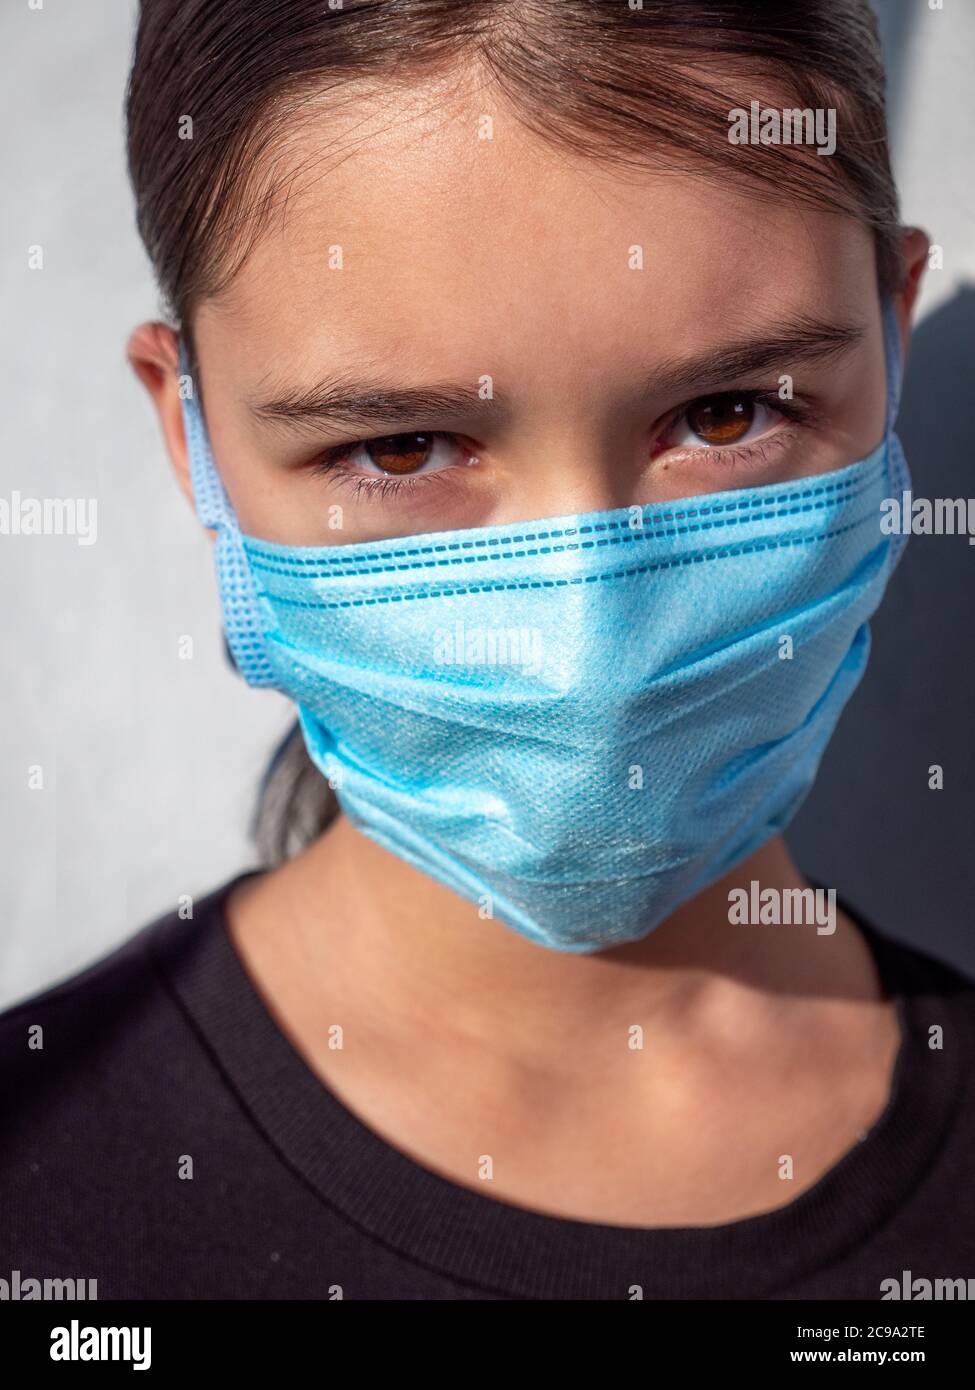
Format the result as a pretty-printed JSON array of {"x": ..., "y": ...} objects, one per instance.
[
  {"x": 109, "y": 1094},
  {"x": 82, "y": 1034},
  {"x": 936, "y": 998},
  {"x": 107, "y": 975},
  {"x": 910, "y": 969}
]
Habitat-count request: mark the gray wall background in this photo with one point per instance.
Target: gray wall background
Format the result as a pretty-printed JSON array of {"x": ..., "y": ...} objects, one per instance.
[{"x": 151, "y": 763}]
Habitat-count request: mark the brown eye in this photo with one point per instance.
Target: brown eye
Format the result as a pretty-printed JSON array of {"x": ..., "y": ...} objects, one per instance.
[
  {"x": 721, "y": 419},
  {"x": 400, "y": 453}
]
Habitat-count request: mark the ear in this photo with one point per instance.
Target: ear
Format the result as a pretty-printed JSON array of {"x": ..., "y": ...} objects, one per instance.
[
  {"x": 153, "y": 354},
  {"x": 915, "y": 245}
]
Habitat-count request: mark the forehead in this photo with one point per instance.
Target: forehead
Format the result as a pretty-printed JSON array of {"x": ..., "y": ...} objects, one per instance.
[{"x": 416, "y": 226}]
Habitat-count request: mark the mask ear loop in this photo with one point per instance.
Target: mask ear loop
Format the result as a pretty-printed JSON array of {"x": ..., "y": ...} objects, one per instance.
[
  {"x": 898, "y": 476},
  {"x": 243, "y": 629}
]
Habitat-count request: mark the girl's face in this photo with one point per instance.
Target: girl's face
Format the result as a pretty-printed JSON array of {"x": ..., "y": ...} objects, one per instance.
[{"x": 450, "y": 325}]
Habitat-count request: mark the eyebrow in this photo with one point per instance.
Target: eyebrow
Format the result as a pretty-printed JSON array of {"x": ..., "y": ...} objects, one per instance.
[
  {"x": 340, "y": 400},
  {"x": 802, "y": 339}
]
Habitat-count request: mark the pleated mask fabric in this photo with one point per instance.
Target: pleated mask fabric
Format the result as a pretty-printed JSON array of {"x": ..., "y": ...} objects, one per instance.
[{"x": 575, "y": 723}]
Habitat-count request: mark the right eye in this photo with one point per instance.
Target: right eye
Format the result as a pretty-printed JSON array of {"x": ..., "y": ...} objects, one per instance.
[{"x": 394, "y": 455}]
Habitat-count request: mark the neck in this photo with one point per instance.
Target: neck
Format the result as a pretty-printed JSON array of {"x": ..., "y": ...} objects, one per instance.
[{"x": 412, "y": 952}]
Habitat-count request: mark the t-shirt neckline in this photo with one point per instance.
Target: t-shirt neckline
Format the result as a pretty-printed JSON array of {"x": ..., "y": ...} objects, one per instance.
[{"x": 494, "y": 1245}]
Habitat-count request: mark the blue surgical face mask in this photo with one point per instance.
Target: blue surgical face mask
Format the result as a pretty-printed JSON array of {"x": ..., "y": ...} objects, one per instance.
[{"x": 576, "y": 723}]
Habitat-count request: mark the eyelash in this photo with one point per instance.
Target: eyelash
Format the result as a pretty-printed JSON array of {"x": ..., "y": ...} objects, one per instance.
[{"x": 332, "y": 460}]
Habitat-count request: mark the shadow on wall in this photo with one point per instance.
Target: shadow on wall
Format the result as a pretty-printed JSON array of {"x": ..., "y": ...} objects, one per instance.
[{"x": 872, "y": 827}]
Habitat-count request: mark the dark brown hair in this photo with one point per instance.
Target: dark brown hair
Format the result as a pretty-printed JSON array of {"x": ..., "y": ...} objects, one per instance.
[{"x": 632, "y": 82}]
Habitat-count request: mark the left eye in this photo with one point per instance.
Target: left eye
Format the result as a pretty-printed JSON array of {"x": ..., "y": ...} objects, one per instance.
[{"x": 717, "y": 421}]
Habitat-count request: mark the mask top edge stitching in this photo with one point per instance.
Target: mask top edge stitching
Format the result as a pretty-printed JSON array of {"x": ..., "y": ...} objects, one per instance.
[{"x": 555, "y": 583}]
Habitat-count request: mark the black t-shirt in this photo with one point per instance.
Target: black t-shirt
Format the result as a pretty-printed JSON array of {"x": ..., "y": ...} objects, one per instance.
[{"x": 163, "y": 1054}]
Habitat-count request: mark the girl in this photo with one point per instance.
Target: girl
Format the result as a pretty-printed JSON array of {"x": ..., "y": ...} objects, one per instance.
[{"x": 540, "y": 408}]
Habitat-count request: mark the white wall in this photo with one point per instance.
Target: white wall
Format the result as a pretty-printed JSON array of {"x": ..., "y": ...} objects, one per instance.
[{"x": 150, "y": 763}]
